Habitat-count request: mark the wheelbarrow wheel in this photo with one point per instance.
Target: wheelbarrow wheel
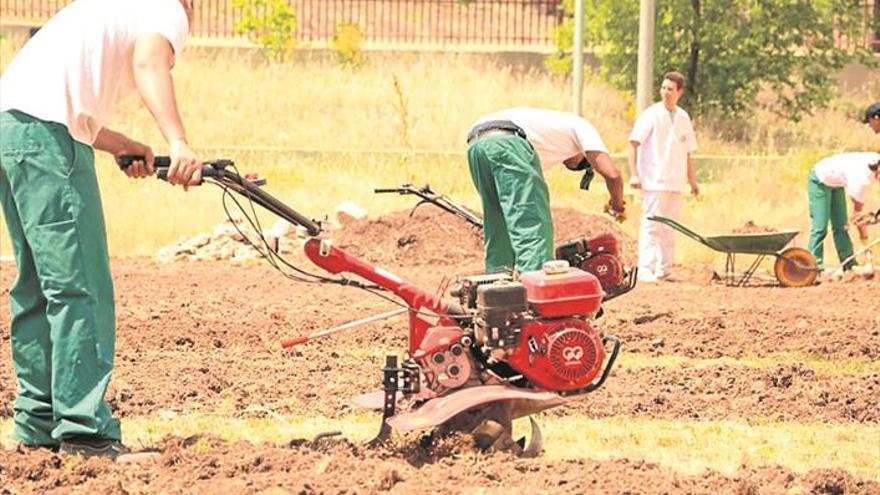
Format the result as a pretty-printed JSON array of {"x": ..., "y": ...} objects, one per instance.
[{"x": 795, "y": 267}]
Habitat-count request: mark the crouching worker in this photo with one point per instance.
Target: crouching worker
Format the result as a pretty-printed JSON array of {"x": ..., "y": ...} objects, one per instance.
[
  {"x": 506, "y": 153},
  {"x": 56, "y": 97},
  {"x": 831, "y": 180}
]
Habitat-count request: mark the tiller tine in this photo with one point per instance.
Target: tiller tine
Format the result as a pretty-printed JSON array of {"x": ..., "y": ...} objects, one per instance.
[
  {"x": 495, "y": 433},
  {"x": 394, "y": 380},
  {"x": 536, "y": 442},
  {"x": 390, "y": 387},
  {"x": 382, "y": 437}
]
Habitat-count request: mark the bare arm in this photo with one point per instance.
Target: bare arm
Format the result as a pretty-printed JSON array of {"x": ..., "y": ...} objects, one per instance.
[
  {"x": 602, "y": 163},
  {"x": 153, "y": 60},
  {"x": 692, "y": 176},
  {"x": 152, "y": 63},
  {"x": 862, "y": 228},
  {"x": 632, "y": 160}
]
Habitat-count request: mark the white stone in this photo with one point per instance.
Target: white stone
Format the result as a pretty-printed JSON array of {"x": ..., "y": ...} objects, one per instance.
[{"x": 347, "y": 212}]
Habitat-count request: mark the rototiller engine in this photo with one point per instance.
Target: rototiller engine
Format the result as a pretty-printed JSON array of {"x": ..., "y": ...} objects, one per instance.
[
  {"x": 599, "y": 255},
  {"x": 501, "y": 347}
]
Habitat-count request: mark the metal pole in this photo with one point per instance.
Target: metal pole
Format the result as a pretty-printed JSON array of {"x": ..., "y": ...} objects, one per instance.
[
  {"x": 645, "y": 77},
  {"x": 323, "y": 333},
  {"x": 578, "y": 59},
  {"x": 876, "y": 19}
]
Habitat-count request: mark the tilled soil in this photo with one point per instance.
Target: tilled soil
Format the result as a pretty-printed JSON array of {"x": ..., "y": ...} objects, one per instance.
[
  {"x": 213, "y": 466},
  {"x": 201, "y": 337}
]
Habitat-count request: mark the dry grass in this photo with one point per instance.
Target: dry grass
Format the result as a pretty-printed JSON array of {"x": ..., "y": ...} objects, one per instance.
[{"x": 363, "y": 126}]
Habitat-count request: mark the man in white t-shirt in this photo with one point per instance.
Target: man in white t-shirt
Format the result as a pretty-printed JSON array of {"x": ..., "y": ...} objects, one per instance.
[
  {"x": 831, "y": 180},
  {"x": 660, "y": 164},
  {"x": 506, "y": 153},
  {"x": 56, "y": 98},
  {"x": 872, "y": 117}
]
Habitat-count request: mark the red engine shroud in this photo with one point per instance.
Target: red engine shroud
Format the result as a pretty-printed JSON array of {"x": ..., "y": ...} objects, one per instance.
[{"x": 559, "y": 355}]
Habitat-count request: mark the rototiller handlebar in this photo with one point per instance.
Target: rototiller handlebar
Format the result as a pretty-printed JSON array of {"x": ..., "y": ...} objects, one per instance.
[
  {"x": 427, "y": 195},
  {"x": 223, "y": 172}
]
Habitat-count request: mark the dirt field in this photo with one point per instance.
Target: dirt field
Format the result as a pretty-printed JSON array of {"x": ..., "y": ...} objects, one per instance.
[{"x": 202, "y": 337}]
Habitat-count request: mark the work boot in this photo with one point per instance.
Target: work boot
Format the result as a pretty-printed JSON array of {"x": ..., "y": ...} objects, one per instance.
[{"x": 90, "y": 446}]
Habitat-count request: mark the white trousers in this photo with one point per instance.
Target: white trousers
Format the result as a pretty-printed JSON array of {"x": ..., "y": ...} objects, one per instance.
[{"x": 657, "y": 241}]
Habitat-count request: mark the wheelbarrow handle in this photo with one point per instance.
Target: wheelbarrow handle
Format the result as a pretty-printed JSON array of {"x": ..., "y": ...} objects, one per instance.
[{"x": 681, "y": 228}]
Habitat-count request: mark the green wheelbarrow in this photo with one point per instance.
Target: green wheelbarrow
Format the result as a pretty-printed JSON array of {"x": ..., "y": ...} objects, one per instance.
[{"x": 794, "y": 266}]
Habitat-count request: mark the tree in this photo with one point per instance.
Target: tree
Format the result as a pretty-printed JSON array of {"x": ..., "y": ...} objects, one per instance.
[
  {"x": 730, "y": 50},
  {"x": 269, "y": 23}
]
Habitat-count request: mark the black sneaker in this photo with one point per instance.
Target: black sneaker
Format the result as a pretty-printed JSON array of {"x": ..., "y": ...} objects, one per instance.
[
  {"x": 87, "y": 446},
  {"x": 32, "y": 448}
]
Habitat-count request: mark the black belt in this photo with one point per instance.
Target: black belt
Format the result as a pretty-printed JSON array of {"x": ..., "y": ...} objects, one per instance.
[{"x": 485, "y": 128}]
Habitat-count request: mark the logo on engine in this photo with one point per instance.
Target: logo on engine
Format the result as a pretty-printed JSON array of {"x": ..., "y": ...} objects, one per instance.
[{"x": 572, "y": 355}]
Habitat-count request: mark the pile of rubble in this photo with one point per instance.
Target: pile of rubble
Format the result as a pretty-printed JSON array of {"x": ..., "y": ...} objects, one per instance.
[
  {"x": 751, "y": 227},
  {"x": 232, "y": 240}
]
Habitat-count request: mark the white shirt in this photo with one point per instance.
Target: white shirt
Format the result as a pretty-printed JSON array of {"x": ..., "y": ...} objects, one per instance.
[
  {"x": 555, "y": 136},
  {"x": 664, "y": 144},
  {"x": 79, "y": 65},
  {"x": 850, "y": 171}
]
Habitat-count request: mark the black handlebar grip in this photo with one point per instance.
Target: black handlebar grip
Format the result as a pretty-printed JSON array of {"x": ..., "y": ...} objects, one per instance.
[
  {"x": 207, "y": 171},
  {"x": 125, "y": 161},
  {"x": 391, "y": 190}
]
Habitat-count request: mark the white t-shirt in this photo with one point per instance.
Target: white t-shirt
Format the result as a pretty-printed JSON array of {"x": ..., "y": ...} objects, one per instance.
[
  {"x": 665, "y": 140},
  {"x": 555, "y": 136},
  {"x": 850, "y": 171},
  {"x": 79, "y": 65}
]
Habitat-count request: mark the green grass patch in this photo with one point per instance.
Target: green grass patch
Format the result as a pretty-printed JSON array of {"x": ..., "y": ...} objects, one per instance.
[
  {"x": 822, "y": 365},
  {"x": 693, "y": 446},
  {"x": 688, "y": 447}
]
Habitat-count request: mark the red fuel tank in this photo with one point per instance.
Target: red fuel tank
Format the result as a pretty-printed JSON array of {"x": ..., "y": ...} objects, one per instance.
[{"x": 561, "y": 290}]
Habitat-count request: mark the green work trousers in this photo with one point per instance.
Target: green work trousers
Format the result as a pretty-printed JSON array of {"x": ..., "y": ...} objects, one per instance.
[
  {"x": 63, "y": 316},
  {"x": 517, "y": 225},
  {"x": 828, "y": 203}
]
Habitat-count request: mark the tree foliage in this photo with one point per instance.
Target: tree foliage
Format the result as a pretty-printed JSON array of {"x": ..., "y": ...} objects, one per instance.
[
  {"x": 730, "y": 50},
  {"x": 268, "y": 23},
  {"x": 347, "y": 42}
]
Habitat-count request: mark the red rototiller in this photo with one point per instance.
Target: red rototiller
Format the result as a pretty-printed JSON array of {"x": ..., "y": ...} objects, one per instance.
[{"x": 503, "y": 346}]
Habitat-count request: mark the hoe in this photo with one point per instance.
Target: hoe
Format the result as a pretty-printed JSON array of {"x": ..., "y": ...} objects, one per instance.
[{"x": 501, "y": 347}]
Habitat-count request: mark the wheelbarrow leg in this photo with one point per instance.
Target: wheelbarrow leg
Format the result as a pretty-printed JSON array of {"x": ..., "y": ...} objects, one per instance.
[
  {"x": 751, "y": 271},
  {"x": 729, "y": 270}
]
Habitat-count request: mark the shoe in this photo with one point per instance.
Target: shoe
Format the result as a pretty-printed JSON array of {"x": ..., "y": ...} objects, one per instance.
[
  {"x": 669, "y": 277},
  {"x": 32, "y": 448},
  {"x": 90, "y": 446},
  {"x": 646, "y": 277}
]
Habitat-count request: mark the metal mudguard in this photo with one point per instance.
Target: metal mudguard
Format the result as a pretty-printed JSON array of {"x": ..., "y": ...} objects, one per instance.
[{"x": 437, "y": 411}]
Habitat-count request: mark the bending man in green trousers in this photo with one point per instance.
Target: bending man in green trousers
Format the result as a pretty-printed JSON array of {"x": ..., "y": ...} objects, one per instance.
[
  {"x": 506, "y": 154},
  {"x": 831, "y": 180},
  {"x": 56, "y": 97}
]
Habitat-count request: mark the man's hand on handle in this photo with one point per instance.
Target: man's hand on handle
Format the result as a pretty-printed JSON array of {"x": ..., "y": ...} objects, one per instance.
[
  {"x": 119, "y": 145},
  {"x": 186, "y": 168},
  {"x": 138, "y": 168}
]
